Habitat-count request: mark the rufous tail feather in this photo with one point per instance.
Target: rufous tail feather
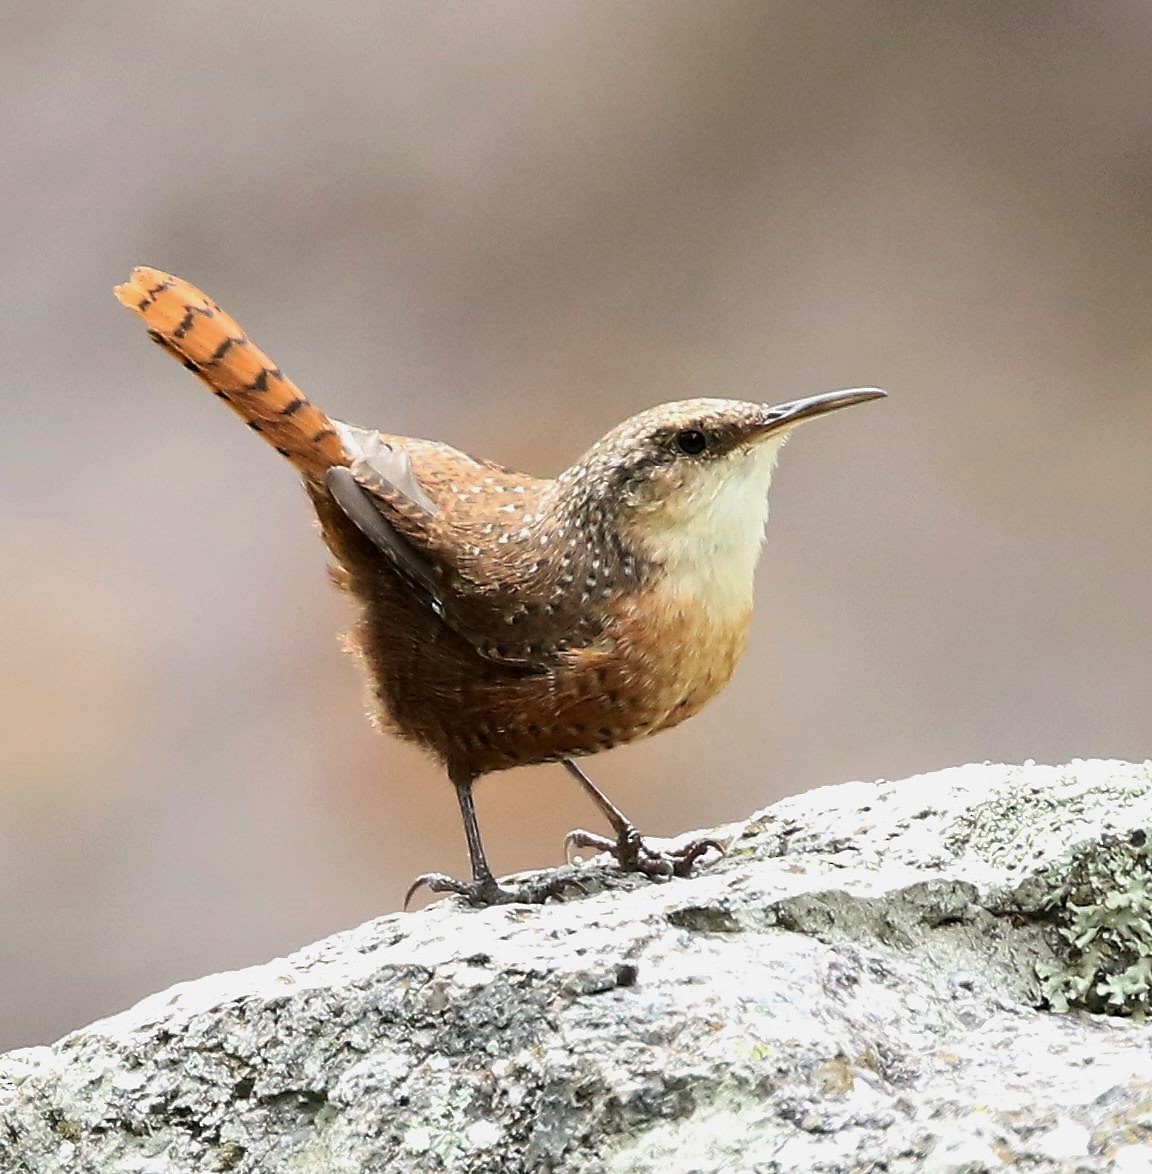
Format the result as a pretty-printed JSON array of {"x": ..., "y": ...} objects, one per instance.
[{"x": 209, "y": 342}]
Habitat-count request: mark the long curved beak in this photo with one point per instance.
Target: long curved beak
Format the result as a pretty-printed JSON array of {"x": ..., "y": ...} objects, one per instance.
[{"x": 783, "y": 417}]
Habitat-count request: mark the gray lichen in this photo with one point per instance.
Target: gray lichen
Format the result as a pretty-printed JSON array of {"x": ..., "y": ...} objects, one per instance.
[
  {"x": 1077, "y": 837},
  {"x": 1101, "y": 904}
]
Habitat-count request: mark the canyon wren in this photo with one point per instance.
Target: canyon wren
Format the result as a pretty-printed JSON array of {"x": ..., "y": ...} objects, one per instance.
[{"x": 506, "y": 619}]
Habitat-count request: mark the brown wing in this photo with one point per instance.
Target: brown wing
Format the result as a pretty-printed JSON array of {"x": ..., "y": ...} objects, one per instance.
[
  {"x": 457, "y": 531},
  {"x": 371, "y": 519}
]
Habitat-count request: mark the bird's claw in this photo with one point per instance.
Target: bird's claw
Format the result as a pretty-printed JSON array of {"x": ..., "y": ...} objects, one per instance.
[
  {"x": 633, "y": 853},
  {"x": 488, "y": 891}
]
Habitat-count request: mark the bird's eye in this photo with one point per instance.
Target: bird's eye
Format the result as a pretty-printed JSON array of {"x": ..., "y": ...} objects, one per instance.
[{"x": 691, "y": 441}]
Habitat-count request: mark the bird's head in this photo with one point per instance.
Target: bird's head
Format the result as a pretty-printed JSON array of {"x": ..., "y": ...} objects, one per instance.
[{"x": 687, "y": 482}]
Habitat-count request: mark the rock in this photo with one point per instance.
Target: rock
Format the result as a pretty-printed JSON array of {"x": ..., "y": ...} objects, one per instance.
[{"x": 948, "y": 973}]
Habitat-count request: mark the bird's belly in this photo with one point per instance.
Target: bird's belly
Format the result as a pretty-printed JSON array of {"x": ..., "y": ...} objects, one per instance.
[
  {"x": 659, "y": 661},
  {"x": 686, "y": 655}
]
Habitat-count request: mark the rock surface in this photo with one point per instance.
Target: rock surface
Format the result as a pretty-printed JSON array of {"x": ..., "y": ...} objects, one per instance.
[{"x": 908, "y": 976}]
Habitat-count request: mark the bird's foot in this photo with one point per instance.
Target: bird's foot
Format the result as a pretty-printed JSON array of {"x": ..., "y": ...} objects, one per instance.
[
  {"x": 634, "y": 854},
  {"x": 487, "y": 890}
]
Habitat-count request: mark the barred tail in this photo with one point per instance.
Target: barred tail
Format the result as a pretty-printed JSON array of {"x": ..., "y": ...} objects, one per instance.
[{"x": 209, "y": 342}]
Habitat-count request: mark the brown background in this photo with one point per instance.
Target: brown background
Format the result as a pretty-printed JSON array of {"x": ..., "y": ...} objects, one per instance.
[{"x": 510, "y": 224}]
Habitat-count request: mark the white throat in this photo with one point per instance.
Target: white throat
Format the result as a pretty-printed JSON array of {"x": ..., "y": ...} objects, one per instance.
[{"x": 708, "y": 538}]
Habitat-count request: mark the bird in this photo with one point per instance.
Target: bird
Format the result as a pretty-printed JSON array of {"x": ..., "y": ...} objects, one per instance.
[{"x": 506, "y": 619}]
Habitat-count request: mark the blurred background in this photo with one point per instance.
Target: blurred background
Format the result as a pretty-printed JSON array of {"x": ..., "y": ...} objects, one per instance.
[{"x": 509, "y": 225}]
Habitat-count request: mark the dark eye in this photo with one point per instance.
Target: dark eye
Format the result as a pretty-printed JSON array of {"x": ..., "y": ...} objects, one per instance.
[{"x": 692, "y": 441}]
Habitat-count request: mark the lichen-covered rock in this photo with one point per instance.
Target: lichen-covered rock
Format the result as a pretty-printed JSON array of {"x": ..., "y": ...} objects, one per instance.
[{"x": 869, "y": 981}]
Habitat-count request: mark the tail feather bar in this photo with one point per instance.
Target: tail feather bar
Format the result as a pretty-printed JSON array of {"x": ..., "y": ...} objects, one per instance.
[{"x": 209, "y": 342}]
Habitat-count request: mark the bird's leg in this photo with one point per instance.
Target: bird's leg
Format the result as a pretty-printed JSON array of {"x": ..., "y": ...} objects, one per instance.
[
  {"x": 629, "y": 848},
  {"x": 484, "y": 889}
]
